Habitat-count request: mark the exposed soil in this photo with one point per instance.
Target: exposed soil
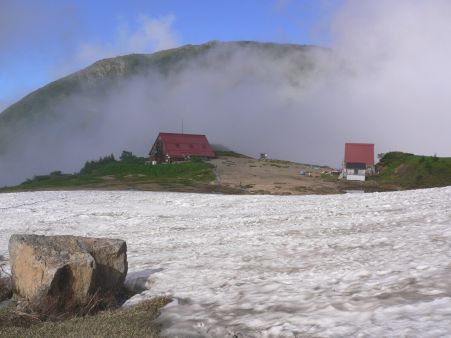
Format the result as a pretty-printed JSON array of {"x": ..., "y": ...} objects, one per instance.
[{"x": 274, "y": 177}]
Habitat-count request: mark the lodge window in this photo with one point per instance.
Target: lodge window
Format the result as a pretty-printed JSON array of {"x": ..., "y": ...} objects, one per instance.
[
  {"x": 191, "y": 146},
  {"x": 177, "y": 145}
]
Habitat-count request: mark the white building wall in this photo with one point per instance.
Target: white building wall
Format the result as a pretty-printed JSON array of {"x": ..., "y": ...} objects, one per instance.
[
  {"x": 353, "y": 172},
  {"x": 355, "y": 177}
]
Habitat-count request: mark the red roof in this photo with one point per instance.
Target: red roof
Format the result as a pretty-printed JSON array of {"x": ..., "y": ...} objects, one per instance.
[
  {"x": 359, "y": 153},
  {"x": 182, "y": 145}
]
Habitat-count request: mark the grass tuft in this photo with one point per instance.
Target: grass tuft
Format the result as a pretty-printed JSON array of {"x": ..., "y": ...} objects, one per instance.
[{"x": 137, "y": 321}]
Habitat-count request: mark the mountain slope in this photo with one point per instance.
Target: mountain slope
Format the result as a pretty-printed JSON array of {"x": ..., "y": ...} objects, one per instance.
[
  {"x": 122, "y": 102},
  {"x": 104, "y": 73},
  {"x": 98, "y": 77}
]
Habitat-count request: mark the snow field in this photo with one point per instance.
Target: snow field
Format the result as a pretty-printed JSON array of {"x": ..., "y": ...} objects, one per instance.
[{"x": 356, "y": 265}]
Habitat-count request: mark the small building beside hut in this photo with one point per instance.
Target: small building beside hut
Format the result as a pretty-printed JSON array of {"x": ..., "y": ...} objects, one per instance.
[
  {"x": 358, "y": 161},
  {"x": 173, "y": 147}
]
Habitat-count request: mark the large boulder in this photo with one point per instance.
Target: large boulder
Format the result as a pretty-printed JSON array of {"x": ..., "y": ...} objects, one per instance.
[{"x": 66, "y": 266}]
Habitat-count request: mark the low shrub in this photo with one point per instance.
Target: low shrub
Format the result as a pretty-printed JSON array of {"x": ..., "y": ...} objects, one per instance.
[{"x": 91, "y": 166}]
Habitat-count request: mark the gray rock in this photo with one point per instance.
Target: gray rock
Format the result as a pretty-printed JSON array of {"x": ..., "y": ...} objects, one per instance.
[
  {"x": 5, "y": 288},
  {"x": 66, "y": 266}
]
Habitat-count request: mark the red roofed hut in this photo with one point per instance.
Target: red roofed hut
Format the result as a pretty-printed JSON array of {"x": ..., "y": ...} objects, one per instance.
[
  {"x": 171, "y": 147},
  {"x": 359, "y": 161}
]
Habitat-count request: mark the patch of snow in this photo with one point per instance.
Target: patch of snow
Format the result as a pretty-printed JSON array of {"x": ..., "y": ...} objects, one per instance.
[{"x": 363, "y": 265}]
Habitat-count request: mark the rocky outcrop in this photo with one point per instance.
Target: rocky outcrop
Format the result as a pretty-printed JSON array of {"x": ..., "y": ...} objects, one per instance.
[{"x": 66, "y": 266}]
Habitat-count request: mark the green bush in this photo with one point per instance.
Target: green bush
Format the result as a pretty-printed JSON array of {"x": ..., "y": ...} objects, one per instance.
[
  {"x": 127, "y": 156},
  {"x": 91, "y": 166}
]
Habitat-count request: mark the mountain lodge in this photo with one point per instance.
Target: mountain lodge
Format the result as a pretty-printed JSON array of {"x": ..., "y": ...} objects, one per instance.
[
  {"x": 358, "y": 161},
  {"x": 171, "y": 147}
]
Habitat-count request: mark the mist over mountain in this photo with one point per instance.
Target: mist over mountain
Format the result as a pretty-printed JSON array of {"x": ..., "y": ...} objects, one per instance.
[
  {"x": 248, "y": 96},
  {"x": 300, "y": 103}
]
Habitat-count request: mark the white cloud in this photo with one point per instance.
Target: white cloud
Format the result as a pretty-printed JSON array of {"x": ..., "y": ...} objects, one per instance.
[
  {"x": 156, "y": 34},
  {"x": 150, "y": 35},
  {"x": 400, "y": 58}
]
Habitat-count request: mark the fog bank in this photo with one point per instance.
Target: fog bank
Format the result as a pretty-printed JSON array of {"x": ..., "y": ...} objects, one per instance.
[{"x": 384, "y": 81}]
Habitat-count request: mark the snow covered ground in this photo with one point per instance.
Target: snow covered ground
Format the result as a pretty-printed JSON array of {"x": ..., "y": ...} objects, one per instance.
[{"x": 363, "y": 265}]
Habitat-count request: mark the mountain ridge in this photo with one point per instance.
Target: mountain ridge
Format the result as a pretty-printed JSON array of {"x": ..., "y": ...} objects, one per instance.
[
  {"x": 76, "y": 105},
  {"x": 115, "y": 65}
]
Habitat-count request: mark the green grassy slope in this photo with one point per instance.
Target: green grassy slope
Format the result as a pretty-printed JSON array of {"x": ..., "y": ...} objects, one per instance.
[
  {"x": 130, "y": 173},
  {"x": 408, "y": 171}
]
